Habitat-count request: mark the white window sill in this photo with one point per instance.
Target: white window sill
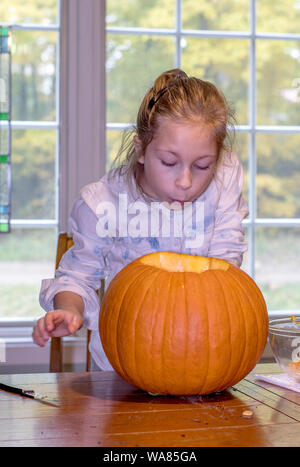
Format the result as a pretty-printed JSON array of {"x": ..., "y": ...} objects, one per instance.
[{"x": 23, "y": 356}]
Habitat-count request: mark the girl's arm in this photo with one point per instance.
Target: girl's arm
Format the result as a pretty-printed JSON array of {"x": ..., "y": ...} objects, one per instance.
[
  {"x": 228, "y": 240},
  {"x": 81, "y": 269},
  {"x": 69, "y": 301}
]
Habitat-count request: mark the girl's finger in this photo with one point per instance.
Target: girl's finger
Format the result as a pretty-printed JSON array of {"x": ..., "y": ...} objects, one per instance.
[
  {"x": 53, "y": 319},
  {"x": 40, "y": 334},
  {"x": 49, "y": 325},
  {"x": 42, "y": 329},
  {"x": 74, "y": 324}
]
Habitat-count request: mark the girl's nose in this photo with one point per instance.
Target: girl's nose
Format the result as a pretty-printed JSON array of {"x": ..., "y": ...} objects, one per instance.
[{"x": 184, "y": 179}]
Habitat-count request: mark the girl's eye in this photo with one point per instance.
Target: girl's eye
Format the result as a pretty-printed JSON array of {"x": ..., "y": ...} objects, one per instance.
[
  {"x": 168, "y": 164},
  {"x": 202, "y": 168}
]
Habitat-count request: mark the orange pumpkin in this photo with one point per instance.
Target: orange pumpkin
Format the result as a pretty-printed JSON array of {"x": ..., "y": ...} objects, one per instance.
[{"x": 180, "y": 324}]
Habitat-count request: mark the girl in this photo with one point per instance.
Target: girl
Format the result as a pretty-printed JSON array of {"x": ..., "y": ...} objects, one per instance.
[{"x": 179, "y": 159}]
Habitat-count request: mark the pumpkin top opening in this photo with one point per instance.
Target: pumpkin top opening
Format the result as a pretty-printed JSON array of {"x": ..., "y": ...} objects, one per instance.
[{"x": 174, "y": 262}]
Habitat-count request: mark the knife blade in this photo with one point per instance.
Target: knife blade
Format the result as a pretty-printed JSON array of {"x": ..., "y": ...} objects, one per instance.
[{"x": 29, "y": 393}]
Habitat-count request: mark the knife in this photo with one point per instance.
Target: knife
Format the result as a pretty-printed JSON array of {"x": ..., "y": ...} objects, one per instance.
[{"x": 29, "y": 393}]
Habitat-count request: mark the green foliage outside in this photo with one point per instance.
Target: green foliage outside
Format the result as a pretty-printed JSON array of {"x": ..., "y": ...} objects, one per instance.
[
  {"x": 20, "y": 300},
  {"x": 25, "y": 245}
]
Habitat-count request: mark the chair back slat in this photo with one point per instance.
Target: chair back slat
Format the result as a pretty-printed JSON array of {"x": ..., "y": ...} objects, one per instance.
[{"x": 56, "y": 349}]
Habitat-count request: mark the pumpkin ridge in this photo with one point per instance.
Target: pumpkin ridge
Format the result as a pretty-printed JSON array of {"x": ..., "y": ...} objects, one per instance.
[
  {"x": 236, "y": 295},
  {"x": 211, "y": 356},
  {"x": 259, "y": 334},
  {"x": 154, "y": 275},
  {"x": 168, "y": 316},
  {"x": 239, "y": 297},
  {"x": 259, "y": 295},
  {"x": 263, "y": 306},
  {"x": 204, "y": 325},
  {"x": 186, "y": 352},
  {"x": 107, "y": 330},
  {"x": 154, "y": 318},
  {"x": 123, "y": 277},
  {"x": 220, "y": 282},
  {"x": 179, "y": 278},
  {"x": 208, "y": 350},
  {"x": 132, "y": 289},
  {"x": 164, "y": 340},
  {"x": 252, "y": 307}
]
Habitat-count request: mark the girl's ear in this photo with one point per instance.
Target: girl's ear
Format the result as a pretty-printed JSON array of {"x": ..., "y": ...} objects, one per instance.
[{"x": 138, "y": 149}]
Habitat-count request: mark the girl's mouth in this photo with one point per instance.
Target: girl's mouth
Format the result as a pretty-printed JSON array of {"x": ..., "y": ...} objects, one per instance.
[{"x": 180, "y": 202}]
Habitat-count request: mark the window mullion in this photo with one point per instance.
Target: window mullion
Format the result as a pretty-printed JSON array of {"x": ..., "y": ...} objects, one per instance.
[
  {"x": 178, "y": 27},
  {"x": 252, "y": 142},
  {"x": 82, "y": 104}
]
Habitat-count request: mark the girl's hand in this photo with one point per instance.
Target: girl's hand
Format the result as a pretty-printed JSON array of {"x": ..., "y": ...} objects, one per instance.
[{"x": 56, "y": 323}]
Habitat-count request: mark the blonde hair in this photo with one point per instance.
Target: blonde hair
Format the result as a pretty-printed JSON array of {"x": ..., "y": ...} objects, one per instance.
[{"x": 176, "y": 96}]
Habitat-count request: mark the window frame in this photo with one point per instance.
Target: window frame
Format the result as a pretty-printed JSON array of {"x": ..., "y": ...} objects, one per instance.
[
  {"x": 16, "y": 332},
  {"x": 81, "y": 65}
]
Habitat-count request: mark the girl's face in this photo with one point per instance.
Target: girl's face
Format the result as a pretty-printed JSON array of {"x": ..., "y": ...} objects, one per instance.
[{"x": 179, "y": 162}]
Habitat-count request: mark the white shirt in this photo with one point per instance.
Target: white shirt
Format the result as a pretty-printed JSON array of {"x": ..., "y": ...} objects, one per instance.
[{"x": 101, "y": 210}]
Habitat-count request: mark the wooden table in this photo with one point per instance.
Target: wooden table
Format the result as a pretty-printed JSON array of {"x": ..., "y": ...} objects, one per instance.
[{"x": 100, "y": 409}]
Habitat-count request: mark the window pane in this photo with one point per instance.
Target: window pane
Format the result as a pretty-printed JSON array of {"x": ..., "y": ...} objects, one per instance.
[
  {"x": 241, "y": 147},
  {"x": 277, "y": 267},
  {"x": 113, "y": 144},
  {"x": 278, "y": 82},
  {"x": 278, "y": 175},
  {"x": 4, "y": 84},
  {"x": 133, "y": 62},
  {"x": 34, "y": 75},
  {"x": 246, "y": 261},
  {"x": 34, "y": 11},
  {"x": 4, "y": 188},
  {"x": 4, "y": 141},
  {"x": 280, "y": 17},
  {"x": 231, "y": 15},
  {"x": 145, "y": 14},
  {"x": 26, "y": 257},
  {"x": 33, "y": 174},
  {"x": 224, "y": 62}
]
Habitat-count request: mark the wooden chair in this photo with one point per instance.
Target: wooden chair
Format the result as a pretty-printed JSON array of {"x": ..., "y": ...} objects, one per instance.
[{"x": 56, "y": 345}]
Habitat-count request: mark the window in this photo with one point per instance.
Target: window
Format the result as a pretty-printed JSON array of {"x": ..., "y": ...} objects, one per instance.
[
  {"x": 58, "y": 68},
  {"x": 26, "y": 254},
  {"x": 251, "y": 50}
]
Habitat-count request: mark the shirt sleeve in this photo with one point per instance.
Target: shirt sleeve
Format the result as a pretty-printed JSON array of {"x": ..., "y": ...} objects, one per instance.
[
  {"x": 82, "y": 267},
  {"x": 228, "y": 241}
]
